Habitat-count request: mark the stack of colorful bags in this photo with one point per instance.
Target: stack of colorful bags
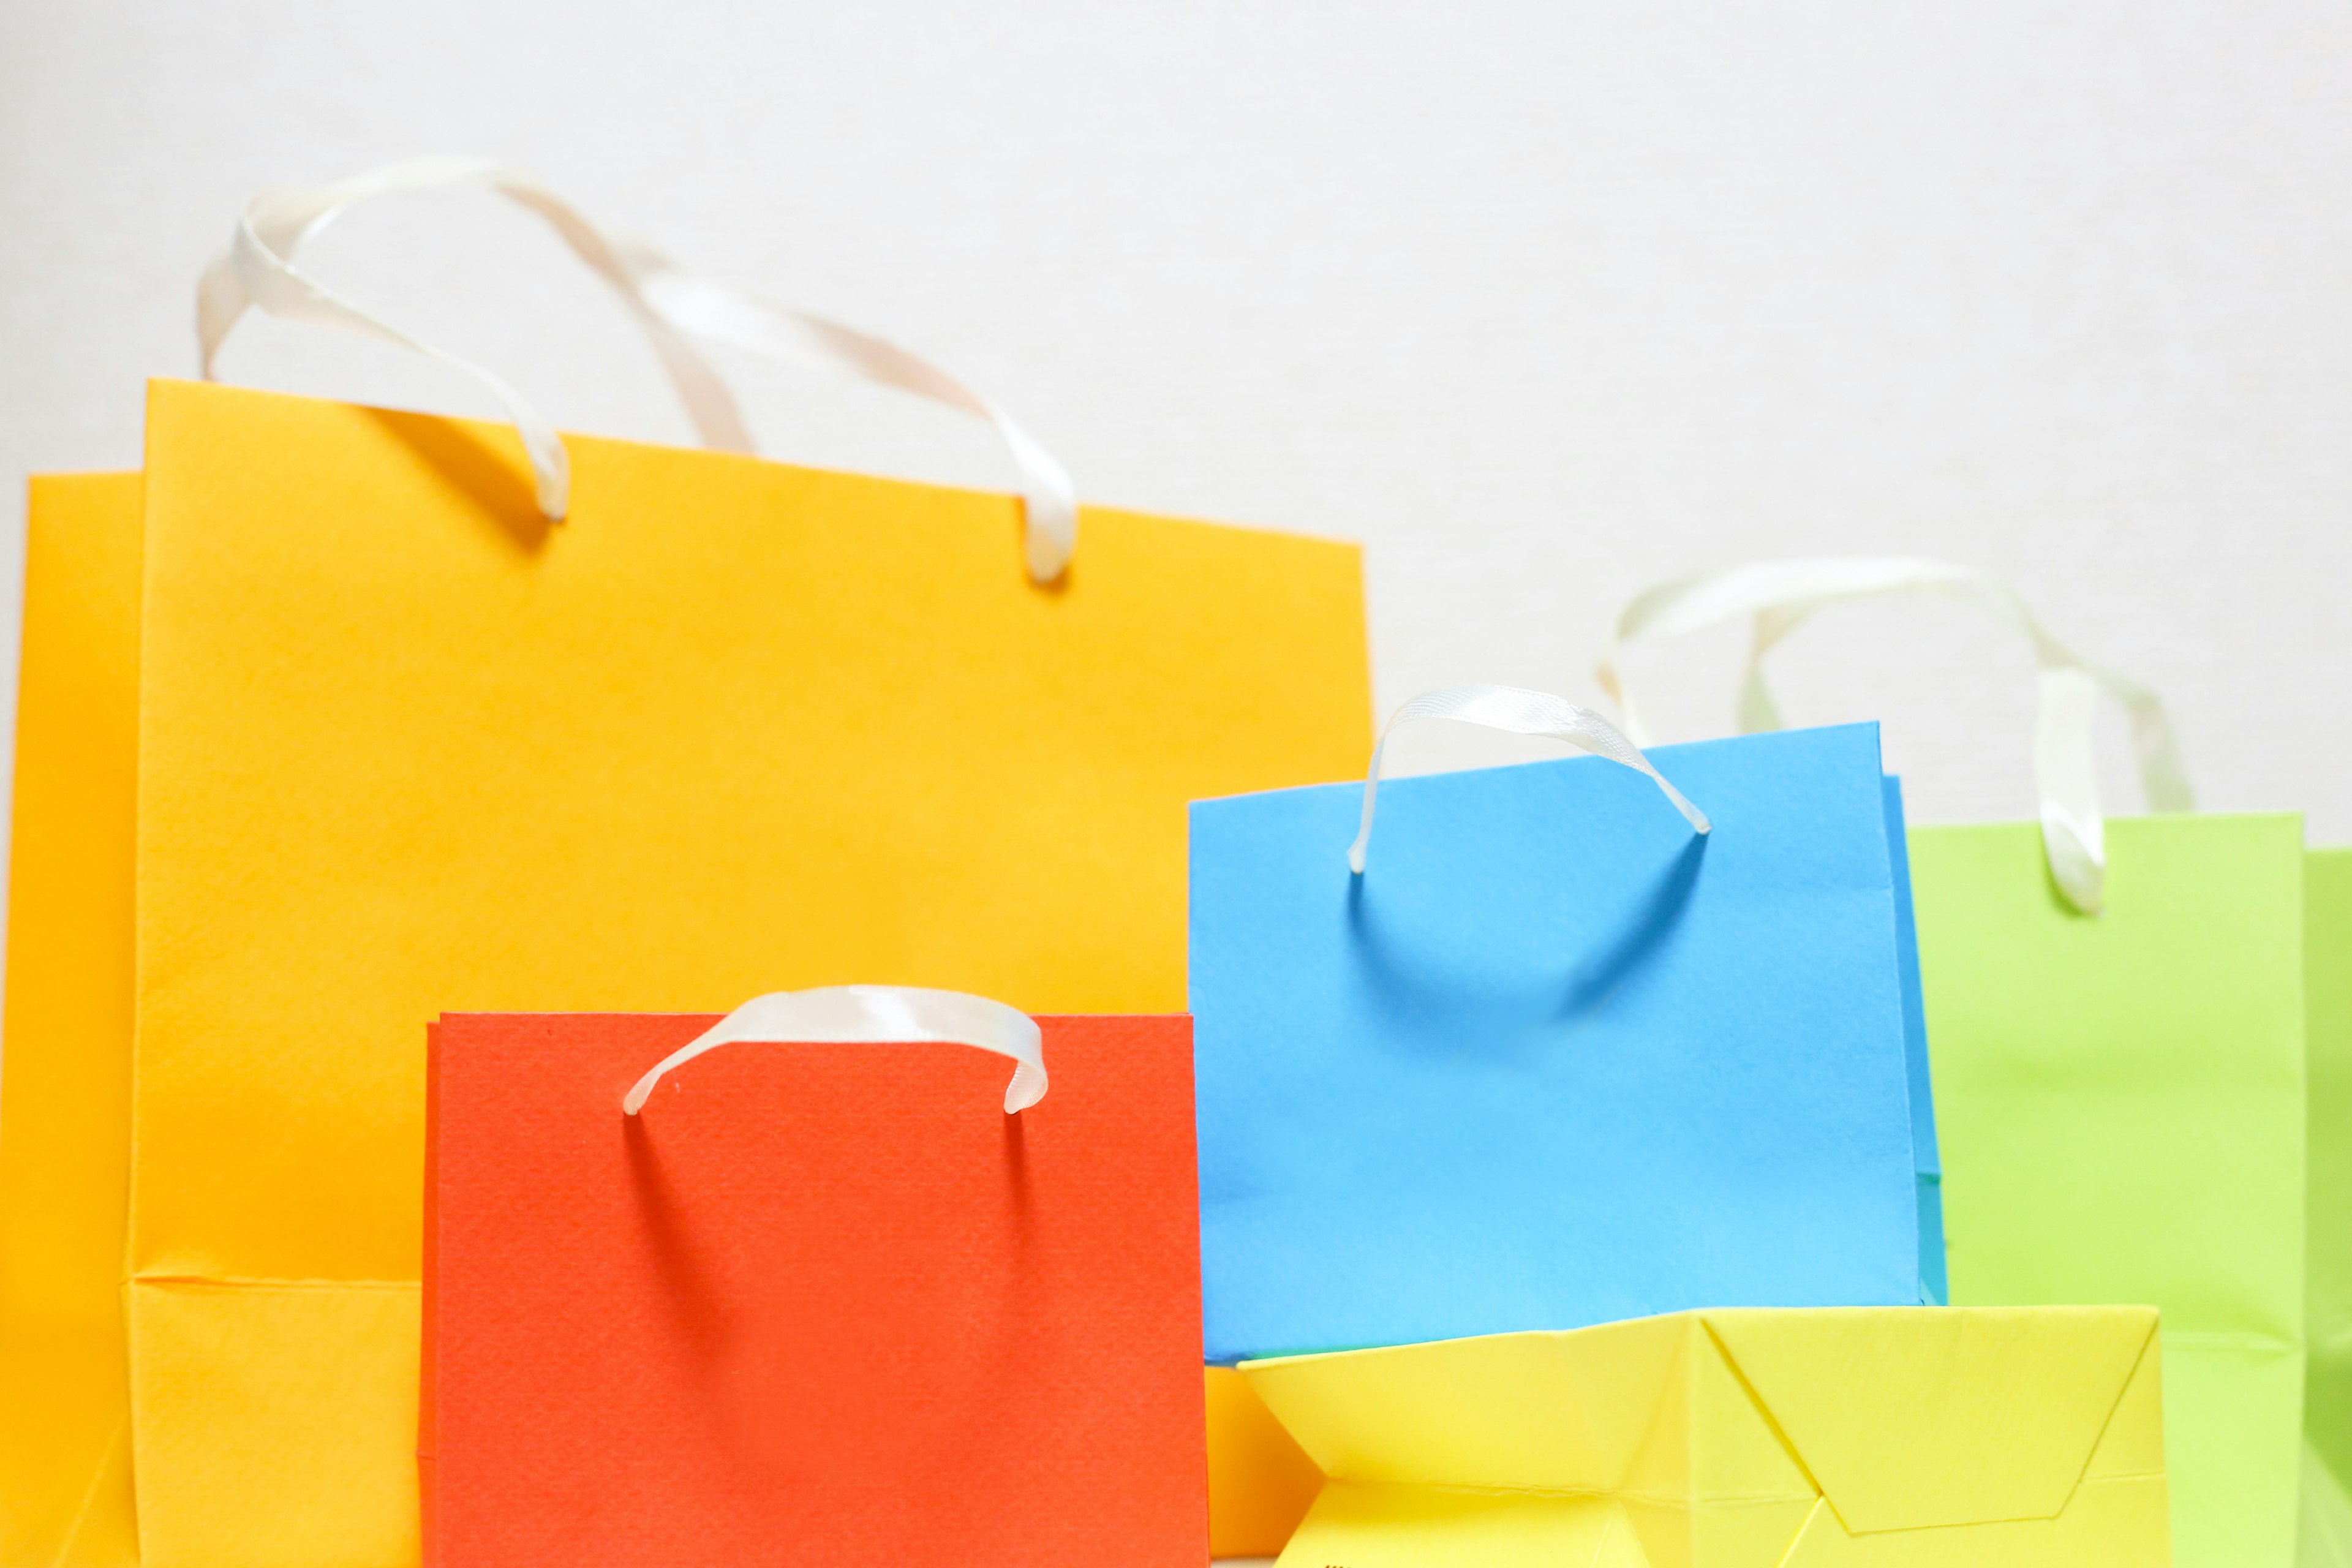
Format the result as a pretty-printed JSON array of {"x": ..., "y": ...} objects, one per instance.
[{"x": 1658, "y": 1156}]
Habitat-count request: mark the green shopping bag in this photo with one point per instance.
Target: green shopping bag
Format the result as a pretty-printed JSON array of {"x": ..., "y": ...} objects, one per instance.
[{"x": 2115, "y": 1028}]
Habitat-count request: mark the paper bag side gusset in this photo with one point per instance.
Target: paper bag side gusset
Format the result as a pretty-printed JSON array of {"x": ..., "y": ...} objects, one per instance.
[
  {"x": 1935, "y": 1289},
  {"x": 65, "y": 1049},
  {"x": 1261, "y": 1483},
  {"x": 2328, "y": 973}
]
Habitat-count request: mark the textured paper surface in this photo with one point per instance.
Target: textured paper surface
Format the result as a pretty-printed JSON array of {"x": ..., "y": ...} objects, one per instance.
[
  {"x": 2328, "y": 979},
  {"x": 1553, "y": 1061},
  {"x": 821, "y": 1305},
  {"x": 731, "y": 728},
  {"x": 2122, "y": 1109},
  {"x": 65, "y": 1059},
  {"x": 1757, "y": 1439}
]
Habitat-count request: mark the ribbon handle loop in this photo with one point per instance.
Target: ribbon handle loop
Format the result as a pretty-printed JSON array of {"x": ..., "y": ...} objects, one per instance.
[
  {"x": 872, "y": 1015},
  {"x": 1520, "y": 713},
  {"x": 671, "y": 306},
  {"x": 720, "y": 315},
  {"x": 1780, "y": 595}
]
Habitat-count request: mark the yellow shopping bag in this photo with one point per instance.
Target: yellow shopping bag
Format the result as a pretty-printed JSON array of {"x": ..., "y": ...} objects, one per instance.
[
  {"x": 406, "y": 746},
  {"x": 1755, "y": 1437}
]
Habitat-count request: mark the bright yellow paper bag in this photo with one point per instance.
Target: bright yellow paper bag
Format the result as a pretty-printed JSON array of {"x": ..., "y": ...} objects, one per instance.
[
  {"x": 405, "y": 746},
  {"x": 1755, "y": 1437}
]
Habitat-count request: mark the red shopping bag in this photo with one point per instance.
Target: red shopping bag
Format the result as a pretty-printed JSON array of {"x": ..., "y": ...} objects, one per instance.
[{"x": 819, "y": 1303}]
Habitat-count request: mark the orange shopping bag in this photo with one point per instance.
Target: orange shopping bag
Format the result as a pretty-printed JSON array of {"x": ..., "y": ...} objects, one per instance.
[{"x": 830, "y": 1300}]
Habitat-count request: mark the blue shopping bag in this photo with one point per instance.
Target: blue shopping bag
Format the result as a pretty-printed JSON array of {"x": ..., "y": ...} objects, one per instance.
[{"x": 1558, "y": 1055}]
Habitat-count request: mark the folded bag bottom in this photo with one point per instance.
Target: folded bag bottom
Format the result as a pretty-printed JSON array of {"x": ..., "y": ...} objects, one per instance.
[{"x": 1907, "y": 1438}]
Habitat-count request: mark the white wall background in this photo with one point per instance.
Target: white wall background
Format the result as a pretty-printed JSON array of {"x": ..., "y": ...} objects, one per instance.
[{"x": 1541, "y": 301}]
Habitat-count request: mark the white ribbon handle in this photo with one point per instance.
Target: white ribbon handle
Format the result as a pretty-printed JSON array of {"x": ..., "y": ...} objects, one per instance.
[
  {"x": 672, "y": 306},
  {"x": 873, "y": 1015},
  {"x": 1781, "y": 594},
  {"x": 1521, "y": 713}
]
